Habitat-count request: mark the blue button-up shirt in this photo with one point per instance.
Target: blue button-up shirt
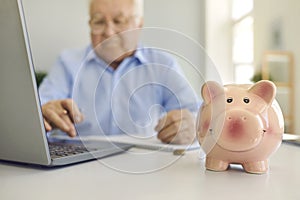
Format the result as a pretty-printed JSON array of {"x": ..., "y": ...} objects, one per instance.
[{"x": 130, "y": 99}]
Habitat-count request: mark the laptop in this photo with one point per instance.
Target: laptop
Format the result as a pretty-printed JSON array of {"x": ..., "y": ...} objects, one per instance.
[{"x": 22, "y": 133}]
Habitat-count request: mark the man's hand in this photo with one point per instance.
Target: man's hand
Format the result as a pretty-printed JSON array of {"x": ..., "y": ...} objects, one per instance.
[
  {"x": 62, "y": 114},
  {"x": 177, "y": 127}
]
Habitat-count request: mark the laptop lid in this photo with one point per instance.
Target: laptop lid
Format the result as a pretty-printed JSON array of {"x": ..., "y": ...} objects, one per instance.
[{"x": 22, "y": 133}]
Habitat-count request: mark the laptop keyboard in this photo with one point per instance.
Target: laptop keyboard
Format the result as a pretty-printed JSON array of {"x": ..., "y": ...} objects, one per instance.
[{"x": 58, "y": 150}]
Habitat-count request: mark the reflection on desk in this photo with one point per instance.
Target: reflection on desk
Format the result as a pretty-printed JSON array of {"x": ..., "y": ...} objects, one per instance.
[{"x": 141, "y": 174}]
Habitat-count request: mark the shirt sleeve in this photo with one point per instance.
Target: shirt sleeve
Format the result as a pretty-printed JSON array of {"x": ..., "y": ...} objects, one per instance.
[
  {"x": 58, "y": 83},
  {"x": 179, "y": 94}
]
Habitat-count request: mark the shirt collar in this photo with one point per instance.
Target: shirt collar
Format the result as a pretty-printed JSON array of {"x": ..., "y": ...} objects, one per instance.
[{"x": 92, "y": 56}]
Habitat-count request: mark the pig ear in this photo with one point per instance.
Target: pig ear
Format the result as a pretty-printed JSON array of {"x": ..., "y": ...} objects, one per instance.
[
  {"x": 264, "y": 89},
  {"x": 210, "y": 90}
]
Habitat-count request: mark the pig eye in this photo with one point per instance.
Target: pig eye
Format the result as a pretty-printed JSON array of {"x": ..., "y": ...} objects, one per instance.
[
  {"x": 246, "y": 100},
  {"x": 229, "y": 100}
]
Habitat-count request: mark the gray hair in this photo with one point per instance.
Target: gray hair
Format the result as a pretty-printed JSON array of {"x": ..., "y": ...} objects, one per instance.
[{"x": 138, "y": 4}]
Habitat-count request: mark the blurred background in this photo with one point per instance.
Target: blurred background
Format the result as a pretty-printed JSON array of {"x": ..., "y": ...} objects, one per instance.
[{"x": 247, "y": 40}]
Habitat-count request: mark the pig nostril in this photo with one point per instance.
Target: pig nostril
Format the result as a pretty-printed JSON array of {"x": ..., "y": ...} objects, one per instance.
[
  {"x": 229, "y": 118},
  {"x": 244, "y": 118}
]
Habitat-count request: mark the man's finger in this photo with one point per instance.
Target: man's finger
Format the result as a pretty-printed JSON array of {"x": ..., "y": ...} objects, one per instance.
[
  {"x": 173, "y": 129},
  {"x": 166, "y": 121},
  {"x": 169, "y": 118},
  {"x": 48, "y": 127},
  {"x": 61, "y": 121},
  {"x": 168, "y": 139},
  {"x": 72, "y": 131},
  {"x": 168, "y": 131},
  {"x": 73, "y": 110}
]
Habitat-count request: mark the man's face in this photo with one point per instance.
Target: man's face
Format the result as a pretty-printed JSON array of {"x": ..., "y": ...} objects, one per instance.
[{"x": 107, "y": 19}]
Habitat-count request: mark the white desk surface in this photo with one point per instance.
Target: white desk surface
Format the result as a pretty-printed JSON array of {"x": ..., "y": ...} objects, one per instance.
[{"x": 175, "y": 177}]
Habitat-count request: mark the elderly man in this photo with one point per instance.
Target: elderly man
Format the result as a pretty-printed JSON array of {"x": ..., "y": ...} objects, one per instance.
[{"x": 117, "y": 86}]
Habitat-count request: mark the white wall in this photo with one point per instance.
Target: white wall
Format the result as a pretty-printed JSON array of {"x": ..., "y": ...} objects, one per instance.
[
  {"x": 188, "y": 19},
  {"x": 58, "y": 24},
  {"x": 185, "y": 16},
  {"x": 55, "y": 25}
]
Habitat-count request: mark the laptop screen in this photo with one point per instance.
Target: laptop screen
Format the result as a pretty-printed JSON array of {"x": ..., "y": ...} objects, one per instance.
[{"x": 22, "y": 134}]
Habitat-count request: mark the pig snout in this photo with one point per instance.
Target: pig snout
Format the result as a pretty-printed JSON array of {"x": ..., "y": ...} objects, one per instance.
[{"x": 239, "y": 130}]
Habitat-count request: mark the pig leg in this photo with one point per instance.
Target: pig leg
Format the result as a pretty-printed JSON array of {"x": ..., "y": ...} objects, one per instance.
[
  {"x": 215, "y": 164},
  {"x": 258, "y": 167}
]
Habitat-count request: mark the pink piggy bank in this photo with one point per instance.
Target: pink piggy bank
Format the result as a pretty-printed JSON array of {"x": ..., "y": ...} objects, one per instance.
[{"x": 239, "y": 124}]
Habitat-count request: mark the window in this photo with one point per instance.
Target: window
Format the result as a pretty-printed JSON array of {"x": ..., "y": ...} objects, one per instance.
[
  {"x": 242, "y": 47},
  {"x": 241, "y": 8}
]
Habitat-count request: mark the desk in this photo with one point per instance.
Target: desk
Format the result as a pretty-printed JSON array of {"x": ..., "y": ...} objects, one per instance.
[{"x": 185, "y": 178}]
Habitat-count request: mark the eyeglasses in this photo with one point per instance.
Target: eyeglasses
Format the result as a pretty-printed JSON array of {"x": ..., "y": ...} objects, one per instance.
[{"x": 98, "y": 23}]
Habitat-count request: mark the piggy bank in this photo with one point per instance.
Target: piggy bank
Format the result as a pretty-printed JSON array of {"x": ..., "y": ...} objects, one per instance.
[{"x": 239, "y": 124}]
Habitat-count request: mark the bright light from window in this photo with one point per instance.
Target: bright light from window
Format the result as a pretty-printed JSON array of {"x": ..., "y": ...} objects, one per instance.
[
  {"x": 242, "y": 44},
  {"x": 243, "y": 41},
  {"x": 241, "y": 8}
]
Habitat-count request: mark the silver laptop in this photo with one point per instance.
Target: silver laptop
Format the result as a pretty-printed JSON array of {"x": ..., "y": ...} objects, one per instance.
[{"x": 22, "y": 134}]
